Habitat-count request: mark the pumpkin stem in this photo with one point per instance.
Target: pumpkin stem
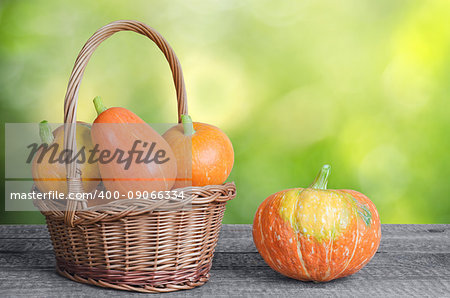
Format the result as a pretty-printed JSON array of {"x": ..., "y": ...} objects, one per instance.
[
  {"x": 45, "y": 133},
  {"x": 99, "y": 106},
  {"x": 188, "y": 126},
  {"x": 322, "y": 178}
]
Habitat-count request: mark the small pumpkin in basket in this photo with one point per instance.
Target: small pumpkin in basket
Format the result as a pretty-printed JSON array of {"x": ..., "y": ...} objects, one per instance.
[
  {"x": 204, "y": 153},
  {"x": 317, "y": 234},
  {"x": 49, "y": 169},
  {"x": 135, "y": 157}
]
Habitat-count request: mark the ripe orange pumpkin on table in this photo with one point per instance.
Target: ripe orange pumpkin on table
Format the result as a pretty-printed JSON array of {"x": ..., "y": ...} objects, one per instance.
[
  {"x": 49, "y": 171},
  {"x": 317, "y": 234},
  {"x": 204, "y": 153},
  {"x": 117, "y": 129}
]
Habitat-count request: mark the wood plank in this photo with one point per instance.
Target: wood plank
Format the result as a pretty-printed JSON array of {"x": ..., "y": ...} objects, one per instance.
[
  {"x": 238, "y": 238},
  {"x": 21, "y": 253},
  {"x": 29, "y": 252},
  {"x": 244, "y": 231},
  {"x": 389, "y": 230},
  {"x": 428, "y": 244},
  {"x": 400, "y": 238},
  {"x": 24, "y": 245},
  {"x": 388, "y": 244},
  {"x": 413, "y": 260},
  {"x": 244, "y": 281},
  {"x": 23, "y": 261},
  {"x": 383, "y": 264},
  {"x": 424, "y": 243},
  {"x": 23, "y": 232}
]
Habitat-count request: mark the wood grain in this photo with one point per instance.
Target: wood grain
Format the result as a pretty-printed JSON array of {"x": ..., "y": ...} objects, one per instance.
[{"x": 413, "y": 260}]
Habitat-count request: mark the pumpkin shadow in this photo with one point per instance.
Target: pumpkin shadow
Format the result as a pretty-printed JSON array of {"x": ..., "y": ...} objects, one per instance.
[
  {"x": 313, "y": 284},
  {"x": 268, "y": 273}
]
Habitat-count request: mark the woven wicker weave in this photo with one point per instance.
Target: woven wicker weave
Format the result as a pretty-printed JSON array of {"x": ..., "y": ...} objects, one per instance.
[{"x": 132, "y": 244}]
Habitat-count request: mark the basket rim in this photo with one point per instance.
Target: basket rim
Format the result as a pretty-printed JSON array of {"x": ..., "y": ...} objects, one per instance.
[{"x": 120, "y": 209}]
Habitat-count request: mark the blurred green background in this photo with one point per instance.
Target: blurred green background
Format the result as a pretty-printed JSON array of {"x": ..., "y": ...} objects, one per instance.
[{"x": 362, "y": 85}]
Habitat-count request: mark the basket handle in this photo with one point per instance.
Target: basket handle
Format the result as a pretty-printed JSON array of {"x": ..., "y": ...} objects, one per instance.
[{"x": 70, "y": 102}]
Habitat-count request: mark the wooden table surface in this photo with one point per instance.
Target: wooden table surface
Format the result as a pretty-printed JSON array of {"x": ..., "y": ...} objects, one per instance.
[{"x": 413, "y": 260}]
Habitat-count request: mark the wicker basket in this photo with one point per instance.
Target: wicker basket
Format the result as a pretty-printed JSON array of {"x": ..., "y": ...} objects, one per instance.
[{"x": 132, "y": 244}]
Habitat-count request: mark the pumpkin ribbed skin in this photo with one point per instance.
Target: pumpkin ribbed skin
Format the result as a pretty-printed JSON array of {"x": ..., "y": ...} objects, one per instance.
[
  {"x": 211, "y": 153},
  {"x": 118, "y": 128},
  {"x": 52, "y": 176},
  {"x": 118, "y": 115},
  {"x": 317, "y": 235}
]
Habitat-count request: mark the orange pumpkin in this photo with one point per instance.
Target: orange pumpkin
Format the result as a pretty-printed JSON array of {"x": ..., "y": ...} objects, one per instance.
[
  {"x": 315, "y": 234},
  {"x": 204, "y": 153},
  {"x": 117, "y": 130},
  {"x": 49, "y": 173}
]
